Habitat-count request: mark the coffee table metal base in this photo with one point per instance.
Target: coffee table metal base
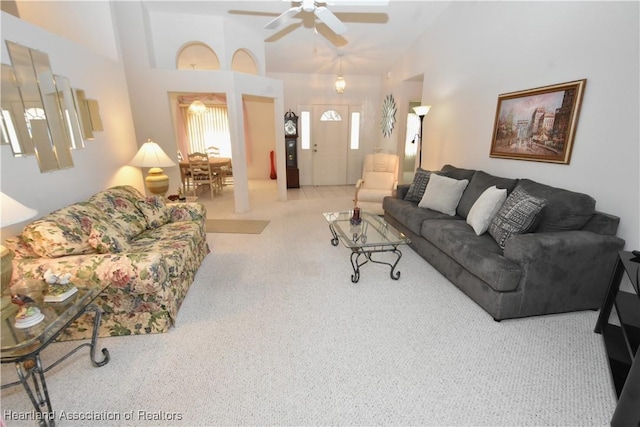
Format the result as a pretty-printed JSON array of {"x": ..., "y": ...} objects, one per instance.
[
  {"x": 366, "y": 252},
  {"x": 31, "y": 367}
]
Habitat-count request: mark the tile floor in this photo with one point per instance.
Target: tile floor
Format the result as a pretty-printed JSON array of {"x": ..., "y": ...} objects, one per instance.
[{"x": 263, "y": 193}]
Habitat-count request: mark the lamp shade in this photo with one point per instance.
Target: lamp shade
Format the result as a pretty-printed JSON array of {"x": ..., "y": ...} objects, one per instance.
[
  {"x": 422, "y": 110},
  {"x": 13, "y": 212},
  {"x": 150, "y": 155}
]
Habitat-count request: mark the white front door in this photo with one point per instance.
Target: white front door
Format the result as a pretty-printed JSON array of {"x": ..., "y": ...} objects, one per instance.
[{"x": 330, "y": 139}]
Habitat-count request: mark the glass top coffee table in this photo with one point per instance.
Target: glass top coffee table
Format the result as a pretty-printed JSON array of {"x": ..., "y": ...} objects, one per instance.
[
  {"x": 370, "y": 235},
  {"x": 23, "y": 346}
]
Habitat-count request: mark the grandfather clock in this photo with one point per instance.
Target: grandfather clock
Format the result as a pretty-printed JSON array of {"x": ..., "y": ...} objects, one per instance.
[{"x": 291, "y": 142}]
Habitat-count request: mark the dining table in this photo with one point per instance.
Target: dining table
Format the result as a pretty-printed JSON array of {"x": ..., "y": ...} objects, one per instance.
[{"x": 217, "y": 163}]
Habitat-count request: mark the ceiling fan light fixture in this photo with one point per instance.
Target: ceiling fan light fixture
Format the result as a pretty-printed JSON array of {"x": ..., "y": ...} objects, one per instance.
[{"x": 308, "y": 5}]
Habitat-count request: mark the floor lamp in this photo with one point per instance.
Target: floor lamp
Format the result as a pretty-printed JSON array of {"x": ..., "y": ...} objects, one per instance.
[{"x": 421, "y": 111}]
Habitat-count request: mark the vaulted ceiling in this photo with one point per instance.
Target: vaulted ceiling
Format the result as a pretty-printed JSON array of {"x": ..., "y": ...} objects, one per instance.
[{"x": 376, "y": 36}]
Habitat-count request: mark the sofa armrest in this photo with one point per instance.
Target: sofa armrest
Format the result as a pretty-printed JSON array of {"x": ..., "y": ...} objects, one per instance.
[
  {"x": 187, "y": 211},
  {"x": 135, "y": 273},
  {"x": 401, "y": 191},
  {"x": 602, "y": 223},
  {"x": 566, "y": 268}
]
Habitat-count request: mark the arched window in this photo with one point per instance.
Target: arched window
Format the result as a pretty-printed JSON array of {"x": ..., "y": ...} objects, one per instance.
[
  {"x": 197, "y": 56},
  {"x": 330, "y": 116},
  {"x": 243, "y": 62}
]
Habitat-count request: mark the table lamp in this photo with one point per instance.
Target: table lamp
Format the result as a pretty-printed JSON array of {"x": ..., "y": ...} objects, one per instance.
[
  {"x": 11, "y": 212},
  {"x": 150, "y": 155}
]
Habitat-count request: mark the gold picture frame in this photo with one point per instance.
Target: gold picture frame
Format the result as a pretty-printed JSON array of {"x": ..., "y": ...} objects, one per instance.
[{"x": 538, "y": 124}]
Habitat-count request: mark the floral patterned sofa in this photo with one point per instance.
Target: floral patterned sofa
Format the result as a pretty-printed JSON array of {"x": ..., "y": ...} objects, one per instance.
[{"x": 147, "y": 251}]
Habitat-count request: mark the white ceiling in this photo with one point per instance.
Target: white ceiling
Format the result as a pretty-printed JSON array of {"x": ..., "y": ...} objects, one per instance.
[{"x": 375, "y": 39}]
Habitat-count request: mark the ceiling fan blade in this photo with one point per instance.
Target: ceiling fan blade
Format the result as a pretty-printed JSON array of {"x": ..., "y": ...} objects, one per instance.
[
  {"x": 357, "y": 2},
  {"x": 284, "y": 17},
  {"x": 326, "y": 16}
]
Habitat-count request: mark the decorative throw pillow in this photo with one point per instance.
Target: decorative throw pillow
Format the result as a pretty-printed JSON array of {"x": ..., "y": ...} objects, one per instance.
[
  {"x": 443, "y": 194},
  {"x": 417, "y": 187},
  {"x": 107, "y": 238},
  {"x": 485, "y": 208},
  {"x": 419, "y": 184},
  {"x": 154, "y": 210},
  {"x": 518, "y": 215}
]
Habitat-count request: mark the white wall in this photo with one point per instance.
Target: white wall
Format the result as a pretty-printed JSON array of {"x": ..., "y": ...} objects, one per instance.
[
  {"x": 478, "y": 50},
  {"x": 169, "y": 32},
  {"x": 86, "y": 23},
  {"x": 261, "y": 130},
  {"x": 102, "y": 163},
  {"x": 362, "y": 94},
  {"x": 149, "y": 87}
]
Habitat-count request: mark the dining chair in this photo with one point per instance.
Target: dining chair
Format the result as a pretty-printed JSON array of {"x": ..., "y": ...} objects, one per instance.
[
  {"x": 202, "y": 173},
  {"x": 227, "y": 174},
  {"x": 223, "y": 171},
  {"x": 213, "y": 151}
]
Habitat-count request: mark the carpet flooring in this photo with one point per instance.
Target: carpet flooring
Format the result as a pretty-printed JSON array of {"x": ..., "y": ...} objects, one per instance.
[
  {"x": 243, "y": 226},
  {"x": 273, "y": 332}
]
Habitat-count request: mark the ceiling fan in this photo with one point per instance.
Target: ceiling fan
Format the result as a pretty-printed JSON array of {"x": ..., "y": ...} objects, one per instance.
[{"x": 322, "y": 12}]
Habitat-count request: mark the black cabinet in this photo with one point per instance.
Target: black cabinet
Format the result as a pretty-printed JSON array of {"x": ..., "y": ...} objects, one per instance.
[
  {"x": 293, "y": 174},
  {"x": 621, "y": 334},
  {"x": 292, "y": 153}
]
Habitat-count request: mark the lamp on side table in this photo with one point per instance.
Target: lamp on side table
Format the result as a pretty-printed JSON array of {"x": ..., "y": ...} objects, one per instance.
[
  {"x": 11, "y": 212},
  {"x": 150, "y": 155}
]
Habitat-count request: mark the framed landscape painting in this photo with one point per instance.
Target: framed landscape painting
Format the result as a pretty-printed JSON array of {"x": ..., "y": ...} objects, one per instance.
[{"x": 538, "y": 124}]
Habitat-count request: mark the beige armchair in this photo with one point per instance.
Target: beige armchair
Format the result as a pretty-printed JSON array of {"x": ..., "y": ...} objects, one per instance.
[{"x": 379, "y": 179}]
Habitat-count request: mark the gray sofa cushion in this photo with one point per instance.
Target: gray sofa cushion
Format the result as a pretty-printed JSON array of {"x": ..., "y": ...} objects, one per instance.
[
  {"x": 409, "y": 214},
  {"x": 478, "y": 184},
  {"x": 480, "y": 255},
  {"x": 458, "y": 173},
  {"x": 565, "y": 210}
]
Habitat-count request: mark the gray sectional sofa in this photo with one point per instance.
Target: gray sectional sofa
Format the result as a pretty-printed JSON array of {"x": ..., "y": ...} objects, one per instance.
[{"x": 562, "y": 263}]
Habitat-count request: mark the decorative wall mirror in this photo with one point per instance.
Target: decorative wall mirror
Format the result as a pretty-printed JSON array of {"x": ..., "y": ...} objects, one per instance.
[
  {"x": 388, "y": 115},
  {"x": 14, "y": 125},
  {"x": 42, "y": 111},
  {"x": 85, "y": 117},
  {"x": 69, "y": 104}
]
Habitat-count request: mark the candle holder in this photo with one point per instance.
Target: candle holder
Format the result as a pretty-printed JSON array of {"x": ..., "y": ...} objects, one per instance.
[{"x": 355, "y": 218}]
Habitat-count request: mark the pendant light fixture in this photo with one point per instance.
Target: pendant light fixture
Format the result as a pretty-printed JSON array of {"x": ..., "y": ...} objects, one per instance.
[
  {"x": 197, "y": 107},
  {"x": 340, "y": 83}
]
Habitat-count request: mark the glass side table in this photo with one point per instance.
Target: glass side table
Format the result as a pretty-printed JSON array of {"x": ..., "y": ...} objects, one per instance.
[{"x": 23, "y": 346}]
